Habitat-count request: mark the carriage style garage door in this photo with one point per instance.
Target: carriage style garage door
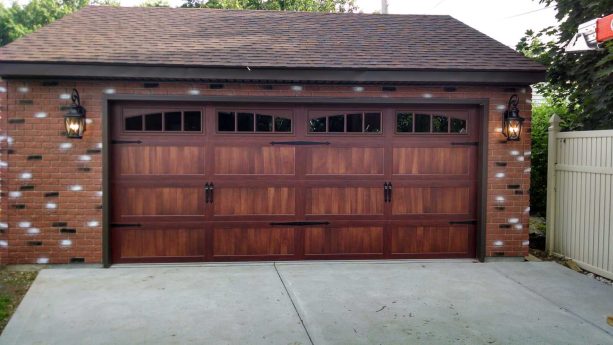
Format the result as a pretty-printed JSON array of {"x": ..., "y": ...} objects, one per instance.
[{"x": 218, "y": 182}]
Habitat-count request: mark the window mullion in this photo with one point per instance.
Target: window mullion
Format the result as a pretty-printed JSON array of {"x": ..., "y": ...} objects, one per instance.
[{"x": 363, "y": 122}]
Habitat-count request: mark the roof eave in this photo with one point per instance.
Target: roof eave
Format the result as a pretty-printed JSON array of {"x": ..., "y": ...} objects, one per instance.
[{"x": 20, "y": 70}]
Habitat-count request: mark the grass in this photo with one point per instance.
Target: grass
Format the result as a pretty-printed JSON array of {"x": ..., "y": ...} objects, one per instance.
[
  {"x": 5, "y": 302},
  {"x": 13, "y": 286}
]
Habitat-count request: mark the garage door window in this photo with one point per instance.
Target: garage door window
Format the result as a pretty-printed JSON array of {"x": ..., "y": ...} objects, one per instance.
[
  {"x": 258, "y": 122},
  {"x": 409, "y": 122},
  {"x": 354, "y": 122},
  {"x": 171, "y": 121}
]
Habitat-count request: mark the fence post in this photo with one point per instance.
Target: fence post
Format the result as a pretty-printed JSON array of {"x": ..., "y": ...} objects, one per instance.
[{"x": 552, "y": 147}]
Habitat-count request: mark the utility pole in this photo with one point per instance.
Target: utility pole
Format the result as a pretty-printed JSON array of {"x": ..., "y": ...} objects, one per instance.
[{"x": 384, "y": 6}]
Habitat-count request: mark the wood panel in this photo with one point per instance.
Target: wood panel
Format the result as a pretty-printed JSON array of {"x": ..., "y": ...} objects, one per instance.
[
  {"x": 160, "y": 184},
  {"x": 239, "y": 201},
  {"x": 350, "y": 240},
  {"x": 245, "y": 160},
  {"x": 431, "y": 161},
  {"x": 253, "y": 241},
  {"x": 430, "y": 239},
  {"x": 344, "y": 201},
  {"x": 431, "y": 200},
  {"x": 345, "y": 161},
  {"x": 153, "y": 243},
  {"x": 160, "y": 160},
  {"x": 165, "y": 201}
]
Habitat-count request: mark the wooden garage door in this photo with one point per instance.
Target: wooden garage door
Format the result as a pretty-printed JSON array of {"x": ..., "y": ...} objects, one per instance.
[{"x": 219, "y": 182}]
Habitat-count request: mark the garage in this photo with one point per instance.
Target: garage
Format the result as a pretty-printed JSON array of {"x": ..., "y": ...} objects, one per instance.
[
  {"x": 221, "y": 182},
  {"x": 286, "y": 135}
]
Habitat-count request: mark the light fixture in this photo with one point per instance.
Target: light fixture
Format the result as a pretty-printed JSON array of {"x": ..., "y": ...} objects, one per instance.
[
  {"x": 74, "y": 119},
  {"x": 511, "y": 121}
]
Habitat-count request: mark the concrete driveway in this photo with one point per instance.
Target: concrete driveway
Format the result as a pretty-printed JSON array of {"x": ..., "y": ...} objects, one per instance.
[{"x": 315, "y": 303}]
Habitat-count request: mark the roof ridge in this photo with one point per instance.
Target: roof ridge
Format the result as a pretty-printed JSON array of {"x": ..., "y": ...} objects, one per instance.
[{"x": 206, "y": 9}]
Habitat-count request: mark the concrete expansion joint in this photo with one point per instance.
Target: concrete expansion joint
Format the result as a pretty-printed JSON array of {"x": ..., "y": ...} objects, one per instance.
[{"x": 293, "y": 303}]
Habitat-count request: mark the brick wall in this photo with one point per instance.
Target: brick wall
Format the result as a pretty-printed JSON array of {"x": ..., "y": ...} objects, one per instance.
[
  {"x": 4, "y": 149},
  {"x": 52, "y": 190}
]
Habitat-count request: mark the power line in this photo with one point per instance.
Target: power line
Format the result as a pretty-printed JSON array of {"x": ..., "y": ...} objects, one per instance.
[
  {"x": 529, "y": 12},
  {"x": 438, "y": 3}
]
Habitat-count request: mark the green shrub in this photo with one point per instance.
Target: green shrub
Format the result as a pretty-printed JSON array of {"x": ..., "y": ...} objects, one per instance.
[{"x": 541, "y": 114}]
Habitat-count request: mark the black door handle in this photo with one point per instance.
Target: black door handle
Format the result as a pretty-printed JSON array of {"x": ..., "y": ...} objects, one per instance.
[
  {"x": 389, "y": 192},
  {"x": 211, "y": 192},
  {"x": 206, "y": 192},
  {"x": 385, "y": 189}
]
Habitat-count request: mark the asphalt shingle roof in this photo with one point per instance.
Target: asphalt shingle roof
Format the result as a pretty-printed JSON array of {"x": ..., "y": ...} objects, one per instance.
[{"x": 224, "y": 38}]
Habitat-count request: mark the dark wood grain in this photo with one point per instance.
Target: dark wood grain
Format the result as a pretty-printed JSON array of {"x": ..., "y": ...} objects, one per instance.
[
  {"x": 431, "y": 161},
  {"x": 430, "y": 200},
  {"x": 158, "y": 180},
  {"x": 160, "y": 160},
  {"x": 242, "y": 201},
  {"x": 344, "y": 201},
  {"x": 163, "y": 201},
  {"x": 253, "y": 241},
  {"x": 152, "y": 243},
  {"x": 343, "y": 241},
  {"x": 431, "y": 239},
  {"x": 248, "y": 160},
  {"x": 345, "y": 161}
]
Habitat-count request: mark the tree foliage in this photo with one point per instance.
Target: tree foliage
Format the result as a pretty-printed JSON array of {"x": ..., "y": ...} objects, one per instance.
[
  {"x": 112, "y": 3},
  {"x": 19, "y": 20},
  {"x": 154, "y": 3},
  {"x": 581, "y": 83},
  {"x": 278, "y": 5}
]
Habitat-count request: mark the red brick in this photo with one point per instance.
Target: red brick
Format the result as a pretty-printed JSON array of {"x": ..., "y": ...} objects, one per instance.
[{"x": 58, "y": 168}]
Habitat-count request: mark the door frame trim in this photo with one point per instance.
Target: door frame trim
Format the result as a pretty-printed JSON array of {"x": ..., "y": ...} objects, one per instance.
[{"x": 481, "y": 103}]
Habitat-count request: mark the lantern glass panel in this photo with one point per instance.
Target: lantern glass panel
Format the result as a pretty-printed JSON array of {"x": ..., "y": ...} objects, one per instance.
[
  {"x": 74, "y": 126},
  {"x": 513, "y": 129}
]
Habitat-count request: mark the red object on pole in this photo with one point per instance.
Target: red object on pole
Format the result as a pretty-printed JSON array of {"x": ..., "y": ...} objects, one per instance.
[{"x": 604, "y": 28}]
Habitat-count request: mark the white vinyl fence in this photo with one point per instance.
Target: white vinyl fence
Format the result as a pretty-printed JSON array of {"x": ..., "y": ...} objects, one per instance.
[{"x": 580, "y": 197}]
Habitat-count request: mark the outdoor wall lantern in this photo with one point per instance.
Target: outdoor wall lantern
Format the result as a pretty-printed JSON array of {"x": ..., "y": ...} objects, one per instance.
[
  {"x": 511, "y": 121},
  {"x": 74, "y": 119}
]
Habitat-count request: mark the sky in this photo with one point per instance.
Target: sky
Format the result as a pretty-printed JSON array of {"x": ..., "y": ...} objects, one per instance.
[{"x": 503, "y": 20}]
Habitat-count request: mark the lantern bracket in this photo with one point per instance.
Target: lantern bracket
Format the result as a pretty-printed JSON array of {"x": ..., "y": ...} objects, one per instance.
[
  {"x": 76, "y": 99},
  {"x": 513, "y": 102}
]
